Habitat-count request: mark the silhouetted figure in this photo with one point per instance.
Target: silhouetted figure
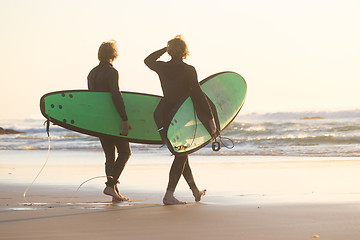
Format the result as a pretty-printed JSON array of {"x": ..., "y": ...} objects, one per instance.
[
  {"x": 178, "y": 79},
  {"x": 105, "y": 78}
]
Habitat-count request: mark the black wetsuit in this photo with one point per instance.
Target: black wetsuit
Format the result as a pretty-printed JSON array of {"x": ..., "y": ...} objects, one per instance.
[
  {"x": 104, "y": 78},
  {"x": 178, "y": 79}
]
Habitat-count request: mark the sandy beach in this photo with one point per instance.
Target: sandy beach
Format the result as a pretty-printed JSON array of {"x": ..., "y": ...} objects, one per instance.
[{"x": 248, "y": 198}]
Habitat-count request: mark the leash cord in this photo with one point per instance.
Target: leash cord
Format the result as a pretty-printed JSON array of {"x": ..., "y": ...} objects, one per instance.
[{"x": 47, "y": 158}]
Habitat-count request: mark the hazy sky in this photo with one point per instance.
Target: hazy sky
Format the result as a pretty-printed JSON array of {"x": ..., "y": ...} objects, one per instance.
[{"x": 294, "y": 55}]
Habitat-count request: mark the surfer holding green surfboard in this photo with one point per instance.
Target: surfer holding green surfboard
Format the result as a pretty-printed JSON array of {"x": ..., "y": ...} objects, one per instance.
[
  {"x": 178, "y": 79},
  {"x": 104, "y": 78}
]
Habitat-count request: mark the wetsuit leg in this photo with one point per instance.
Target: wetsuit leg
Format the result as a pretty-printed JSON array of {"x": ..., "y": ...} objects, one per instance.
[
  {"x": 109, "y": 150},
  {"x": 113, "y": 168},
  {"x": 176, "y": 171},
  {"x": 124, "y": 153},
  {"x": 187, "y": 173}
]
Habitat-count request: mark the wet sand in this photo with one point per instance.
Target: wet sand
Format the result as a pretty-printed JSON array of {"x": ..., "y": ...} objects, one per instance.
[{"x": 248, "y": 198}]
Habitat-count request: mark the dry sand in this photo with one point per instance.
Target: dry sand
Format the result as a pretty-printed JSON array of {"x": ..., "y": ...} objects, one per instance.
[{"x": 244, "y": 209}]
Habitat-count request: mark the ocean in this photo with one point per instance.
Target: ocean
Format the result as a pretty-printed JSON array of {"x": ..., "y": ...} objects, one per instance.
[{"x": 319, "y": 134}]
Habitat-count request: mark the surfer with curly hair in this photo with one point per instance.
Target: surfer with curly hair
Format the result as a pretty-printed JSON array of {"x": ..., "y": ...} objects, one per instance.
[
  {"x": 105, "y": 78},
  {"x": 177, "y": 80}
]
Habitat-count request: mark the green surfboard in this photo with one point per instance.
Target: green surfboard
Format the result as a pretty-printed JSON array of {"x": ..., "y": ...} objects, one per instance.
[
  {"x": 185, "y": 133},
  {"x": 94, "y": 113}
]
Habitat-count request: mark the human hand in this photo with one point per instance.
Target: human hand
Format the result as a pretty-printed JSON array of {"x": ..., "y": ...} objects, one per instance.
[{"x": 125, "y": 127}]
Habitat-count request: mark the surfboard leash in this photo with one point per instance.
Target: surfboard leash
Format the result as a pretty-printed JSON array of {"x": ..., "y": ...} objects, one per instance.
[
  {"x": 195, "y": 130},
  {"x": 86, "y": 182},
  {"x": 47, "y": 122},
  {"x": 216, "y": 145}
]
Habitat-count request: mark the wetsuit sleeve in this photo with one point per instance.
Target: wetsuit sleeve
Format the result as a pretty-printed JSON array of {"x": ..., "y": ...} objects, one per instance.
[
  {"x": 198, "y": 97},
  {"x": 113, "y": 81},
  {"x": 151, "y": 62}
]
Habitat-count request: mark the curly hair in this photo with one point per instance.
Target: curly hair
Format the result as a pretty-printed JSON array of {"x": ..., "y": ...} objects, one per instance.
[
  {"x": 108, "y": 51},
  {"x": 177, "y": 47}
]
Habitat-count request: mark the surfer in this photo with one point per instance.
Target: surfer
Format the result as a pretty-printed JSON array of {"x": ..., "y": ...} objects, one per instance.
[
  {"x": 178, "y": 79},
  {"x": 105, "y": 78}
]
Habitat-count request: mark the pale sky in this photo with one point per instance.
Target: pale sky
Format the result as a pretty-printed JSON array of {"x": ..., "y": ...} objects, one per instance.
[{"x": 295, "y": 55}]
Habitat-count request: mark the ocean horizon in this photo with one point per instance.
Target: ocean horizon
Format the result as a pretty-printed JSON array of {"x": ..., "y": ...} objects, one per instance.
[{"x": 302, "y": 133}]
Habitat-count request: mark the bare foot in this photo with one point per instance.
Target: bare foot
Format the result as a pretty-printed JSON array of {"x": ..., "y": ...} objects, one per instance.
[
  {"x": 198, "y": 194},
  {"x": 111, "y": 192},
  {"x": 169, "y": 199},
  {"x": 123, "y": 199}
]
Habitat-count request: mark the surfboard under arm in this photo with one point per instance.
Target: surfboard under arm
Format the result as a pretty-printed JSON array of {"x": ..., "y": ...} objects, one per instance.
[{"x": 94, "y": 113}]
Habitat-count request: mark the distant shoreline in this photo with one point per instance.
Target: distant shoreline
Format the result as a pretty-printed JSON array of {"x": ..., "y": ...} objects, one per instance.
[{"x": 8, "y": 131}]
